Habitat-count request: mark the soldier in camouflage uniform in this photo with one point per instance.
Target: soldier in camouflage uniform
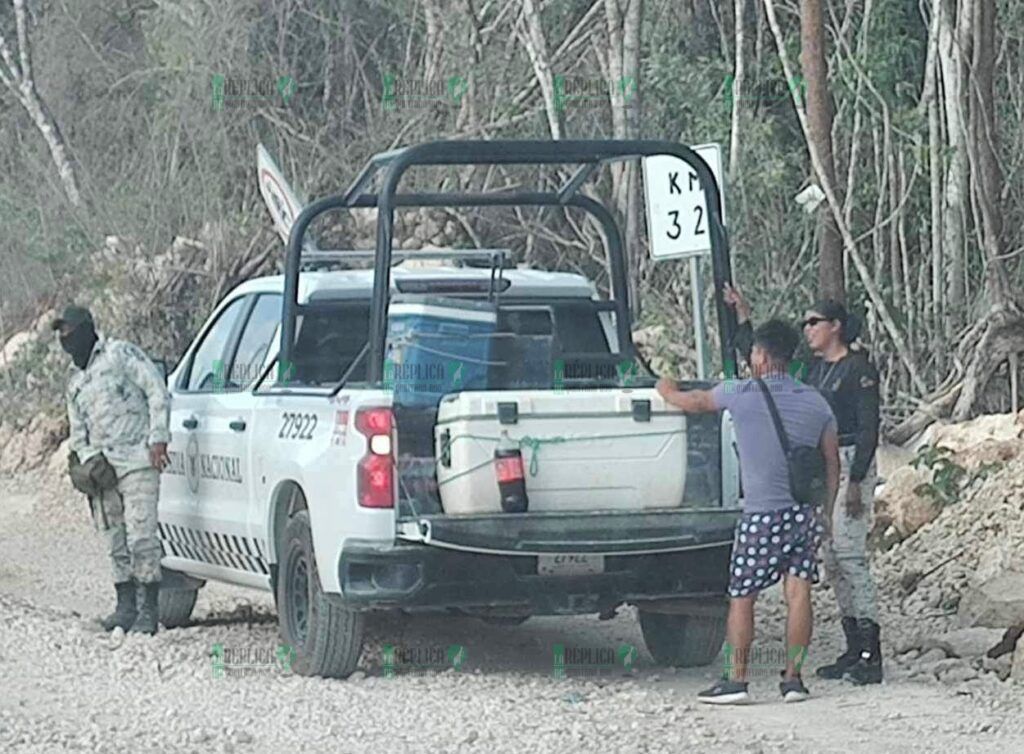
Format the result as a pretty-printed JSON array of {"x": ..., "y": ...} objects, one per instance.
[{"x": 118, "y": 405}]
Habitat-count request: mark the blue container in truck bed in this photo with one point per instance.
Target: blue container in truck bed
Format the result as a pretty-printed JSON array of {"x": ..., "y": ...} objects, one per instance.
[{"x": 437, "y": 345}]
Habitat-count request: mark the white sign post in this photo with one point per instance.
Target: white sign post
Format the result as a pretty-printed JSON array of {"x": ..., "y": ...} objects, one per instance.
[{"x": 677, "y": 215}]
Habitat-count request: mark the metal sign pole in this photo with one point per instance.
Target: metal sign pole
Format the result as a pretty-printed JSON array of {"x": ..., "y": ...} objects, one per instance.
[{"x": 699, "y": 325}]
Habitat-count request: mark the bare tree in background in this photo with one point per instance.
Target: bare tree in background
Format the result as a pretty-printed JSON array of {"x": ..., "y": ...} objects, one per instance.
[
  {"x": 16, "y": 75},
  {"x": 954, "y": 38},
  {"x": 819, "y": 131},
  {"x": 1000, "y": 332},
  {"x": 624, "y": 20},
  {"x": 535, "y": 42},
  {"x": 835, "y": 207},
  {"x": 739, "y": 74}
]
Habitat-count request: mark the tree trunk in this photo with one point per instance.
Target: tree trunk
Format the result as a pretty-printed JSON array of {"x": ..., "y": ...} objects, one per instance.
[
  {"x": 1003, "y": 332},
  {"x": 18, "y": 77},
  {"x": 930, "y": 101},
  {"x": 984, "y": 162},
  {"x": 537, "y": 49},
  {"x": 623, "y": 19},
  {"x": 879, "y": 303},
  {"x": 819, "y": 122},
  {"x": 955, "y": 188},
  {"x": 433, "y": 53},
  {"x": 736, "y": 93}
]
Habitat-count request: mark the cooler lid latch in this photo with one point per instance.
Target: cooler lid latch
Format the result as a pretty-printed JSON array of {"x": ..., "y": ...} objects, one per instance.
[
  {"x": 508, "y": 413},
  {"x": 641, "y": 411}
]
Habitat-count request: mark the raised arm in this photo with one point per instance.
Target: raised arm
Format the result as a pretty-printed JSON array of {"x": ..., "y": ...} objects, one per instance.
[{"x": 743, "y": 339}]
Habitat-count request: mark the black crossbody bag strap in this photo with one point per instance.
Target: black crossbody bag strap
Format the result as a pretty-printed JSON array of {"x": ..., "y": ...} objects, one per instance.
[{"x": 776, "y": 419}]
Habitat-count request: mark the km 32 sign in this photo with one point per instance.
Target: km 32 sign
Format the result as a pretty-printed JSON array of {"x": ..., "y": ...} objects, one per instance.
[{"x": 677, "y": 215}]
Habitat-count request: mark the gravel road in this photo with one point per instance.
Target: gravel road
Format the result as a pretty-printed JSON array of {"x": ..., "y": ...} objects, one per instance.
[{"x": 64, "y": 684}]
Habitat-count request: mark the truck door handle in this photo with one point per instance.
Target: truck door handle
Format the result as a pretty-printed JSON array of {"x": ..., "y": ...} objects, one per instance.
[
  {"x": 238, "y": 425},
  {"x": 190, "y": 423}
]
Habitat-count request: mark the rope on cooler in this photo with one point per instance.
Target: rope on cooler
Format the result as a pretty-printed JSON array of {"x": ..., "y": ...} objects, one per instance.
[{"x": 534, "y": 444}]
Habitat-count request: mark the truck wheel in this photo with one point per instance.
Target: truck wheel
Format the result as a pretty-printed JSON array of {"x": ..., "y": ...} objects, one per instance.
[
  {"x": 325, "y": 638},
  {"x": 175, "y": 606},
  {"x": 683, "y": 641}
]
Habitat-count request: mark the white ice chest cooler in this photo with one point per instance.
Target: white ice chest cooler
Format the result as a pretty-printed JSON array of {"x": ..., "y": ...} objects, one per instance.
[{"x": 632, "y": 464}]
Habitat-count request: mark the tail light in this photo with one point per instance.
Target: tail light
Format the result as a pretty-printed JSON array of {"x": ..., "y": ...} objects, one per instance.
[{"x": 376, "y": 470}]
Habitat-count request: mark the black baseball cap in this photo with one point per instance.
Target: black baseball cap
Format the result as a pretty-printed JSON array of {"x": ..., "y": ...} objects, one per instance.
[{"x": 73, "y": 315}]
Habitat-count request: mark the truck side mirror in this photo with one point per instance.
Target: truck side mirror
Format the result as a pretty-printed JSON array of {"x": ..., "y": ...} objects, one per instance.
[{"x": 161, "y": 365}]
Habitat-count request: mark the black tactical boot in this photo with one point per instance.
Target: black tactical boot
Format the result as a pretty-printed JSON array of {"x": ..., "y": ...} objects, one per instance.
[
  {"x": 146, "y": 622},
  {"x": 868, "y": 668},
  {"x": 124, "y": 614},
  {"x": 847, "y": 659}
]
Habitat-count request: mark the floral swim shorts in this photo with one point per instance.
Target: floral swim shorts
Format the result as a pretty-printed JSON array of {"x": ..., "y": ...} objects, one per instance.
[{"x": 769, "y": 545}]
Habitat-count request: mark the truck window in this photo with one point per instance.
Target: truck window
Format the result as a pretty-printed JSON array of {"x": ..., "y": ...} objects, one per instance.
[
  {"x": 574, "y": 325},
  {"x": 207, "y": 368},
  {"x": 578, "y": 328},
  {"x": 255, "y": 341},
  {"x": 329, "y": 339}
]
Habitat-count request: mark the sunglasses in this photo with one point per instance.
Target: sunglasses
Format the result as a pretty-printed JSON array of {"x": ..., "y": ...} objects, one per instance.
[{"x": 812, "y": 321}]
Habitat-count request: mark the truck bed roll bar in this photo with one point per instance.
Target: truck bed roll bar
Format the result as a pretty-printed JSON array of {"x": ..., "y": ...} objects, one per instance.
[{"x": 588, "y": 154}]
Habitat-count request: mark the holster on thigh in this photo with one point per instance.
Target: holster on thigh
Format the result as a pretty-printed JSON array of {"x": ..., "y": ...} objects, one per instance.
[{"x": 107, "y": 509}]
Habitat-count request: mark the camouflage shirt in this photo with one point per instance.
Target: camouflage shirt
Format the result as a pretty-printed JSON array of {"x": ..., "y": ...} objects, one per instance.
[{"x": 118, "y": 405}]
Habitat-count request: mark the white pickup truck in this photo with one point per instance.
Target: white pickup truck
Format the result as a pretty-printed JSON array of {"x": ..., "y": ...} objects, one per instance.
[{"x": 309, "y": 477}]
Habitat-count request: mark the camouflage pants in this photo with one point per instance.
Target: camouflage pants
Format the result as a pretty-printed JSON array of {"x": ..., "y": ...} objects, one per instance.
[
  {"x": 845, "y": 556},
  {"x": 126, "y": 517}
]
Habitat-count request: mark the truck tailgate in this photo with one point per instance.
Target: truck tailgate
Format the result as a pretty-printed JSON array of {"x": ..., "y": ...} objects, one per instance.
[{"x": 607, "y": 532}]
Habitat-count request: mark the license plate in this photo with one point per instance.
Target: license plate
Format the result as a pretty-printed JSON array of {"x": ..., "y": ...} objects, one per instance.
[{"x": 569, "y": 565}]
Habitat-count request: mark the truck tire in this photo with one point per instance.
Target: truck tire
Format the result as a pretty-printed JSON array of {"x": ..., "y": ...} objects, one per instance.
[
  {"x": 683, "y": 641},
  {"x": 325, "y": 639},
  {"x": 175, "y": 606}
]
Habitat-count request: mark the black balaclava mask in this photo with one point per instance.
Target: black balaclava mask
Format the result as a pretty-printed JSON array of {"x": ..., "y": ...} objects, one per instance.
[{"x": 79, "y": 343}]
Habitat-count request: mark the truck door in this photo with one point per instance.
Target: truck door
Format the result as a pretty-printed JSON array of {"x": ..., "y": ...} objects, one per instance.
[
  {"x": 234, "y": 492},
  {"x": 186, "y": 502}
]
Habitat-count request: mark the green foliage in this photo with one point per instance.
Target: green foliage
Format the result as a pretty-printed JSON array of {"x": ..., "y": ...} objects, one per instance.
[
  {"x": 34, "y": 383},
  {"x": 949, "y": 479}
]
